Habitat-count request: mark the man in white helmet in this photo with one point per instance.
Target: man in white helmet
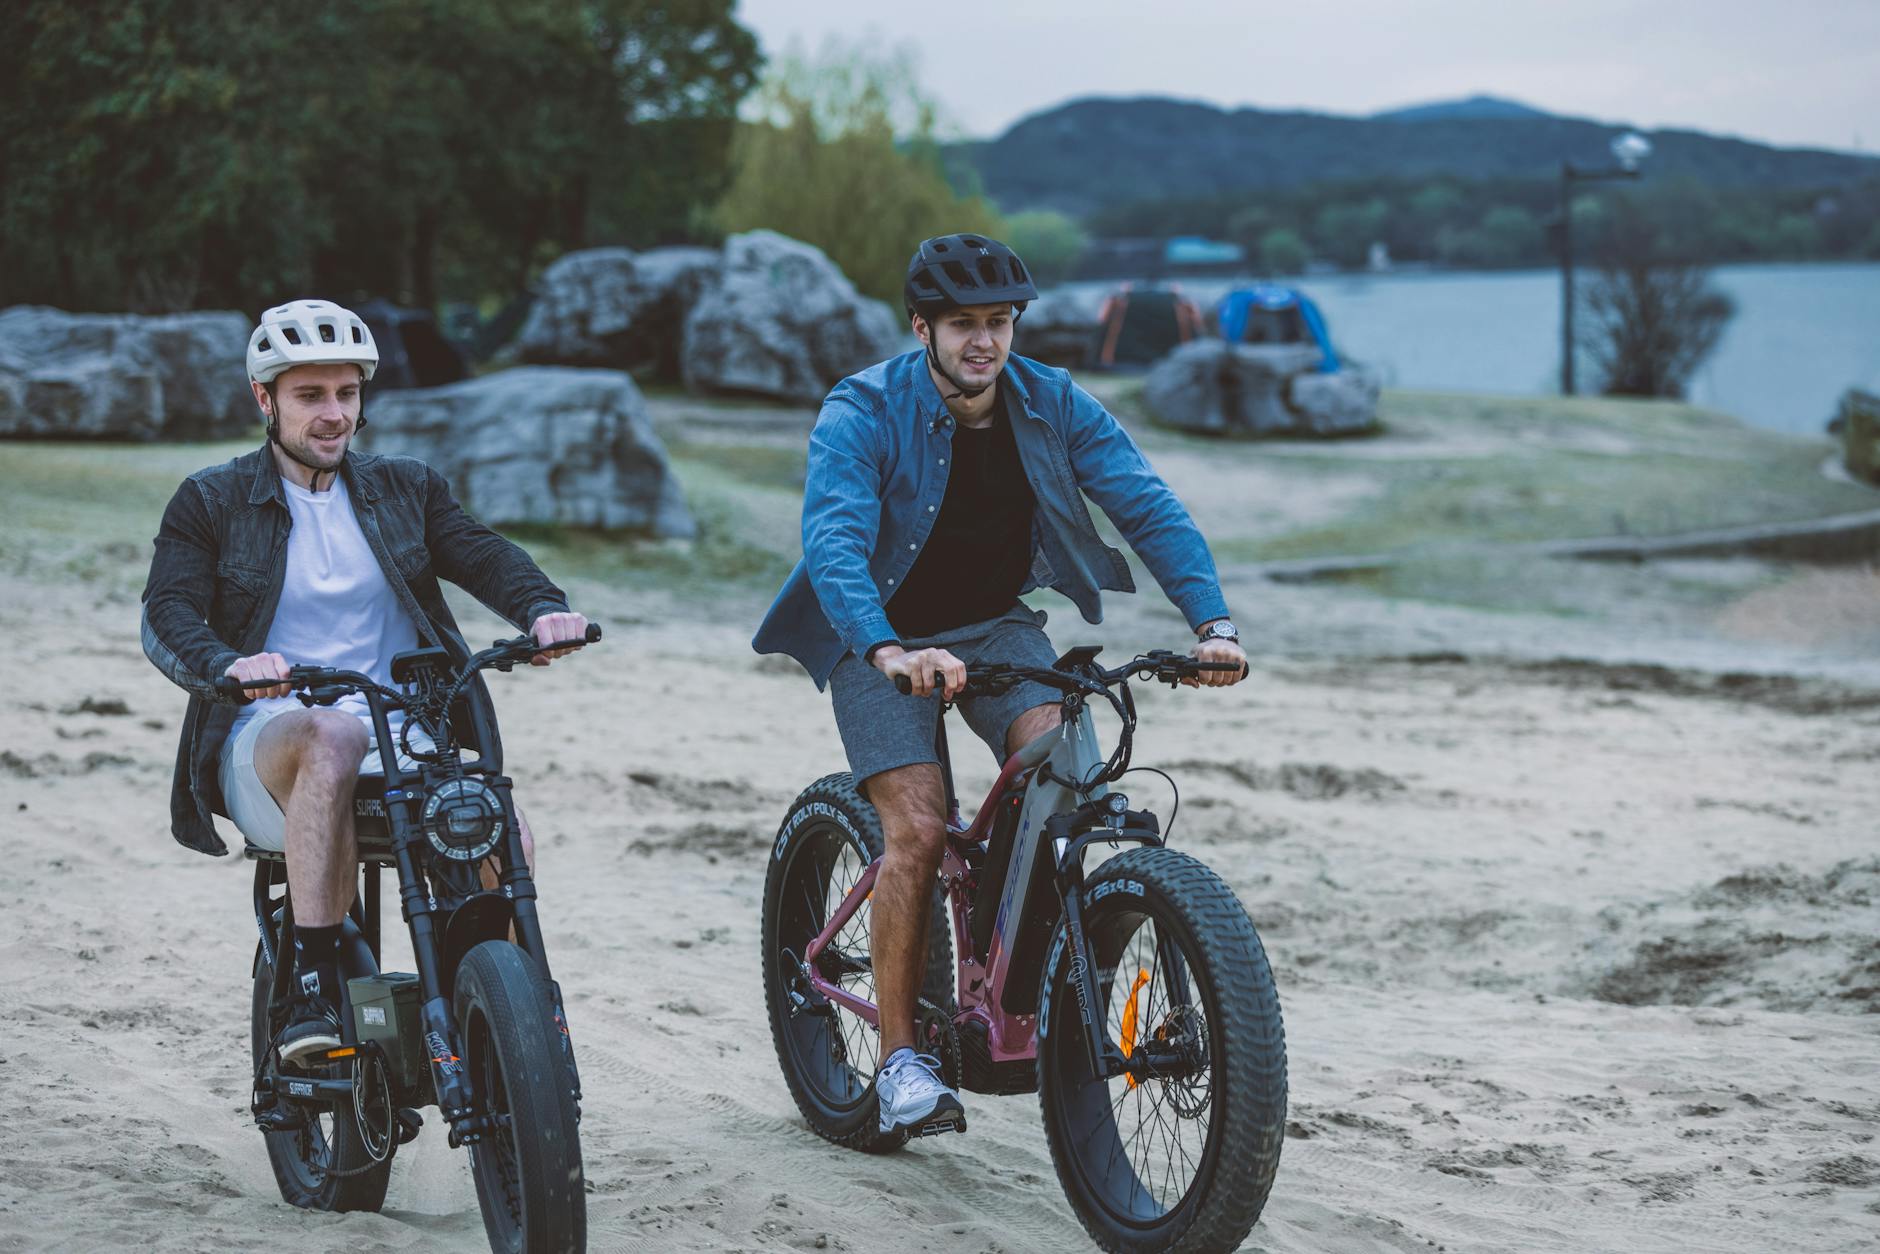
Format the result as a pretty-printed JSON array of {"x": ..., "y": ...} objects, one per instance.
[{"x": 305, "y": 551}]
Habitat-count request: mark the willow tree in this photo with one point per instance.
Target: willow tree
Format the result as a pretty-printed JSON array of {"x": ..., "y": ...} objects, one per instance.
[{"x": 840, "y": 152}]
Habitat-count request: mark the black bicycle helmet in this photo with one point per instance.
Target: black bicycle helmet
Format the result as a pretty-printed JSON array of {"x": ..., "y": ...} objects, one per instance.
[{"x": 949, "y": 271}]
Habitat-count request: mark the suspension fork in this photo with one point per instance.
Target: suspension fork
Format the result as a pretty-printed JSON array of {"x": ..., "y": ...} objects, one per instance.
[
  {"x": 518, "y": 885},
  {"x": 414, "y": 902},
  {"x": 1104, "y": 1060}
]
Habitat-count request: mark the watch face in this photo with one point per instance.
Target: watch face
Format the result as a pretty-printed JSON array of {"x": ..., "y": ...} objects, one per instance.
[{"x": 1222, "y": 631}]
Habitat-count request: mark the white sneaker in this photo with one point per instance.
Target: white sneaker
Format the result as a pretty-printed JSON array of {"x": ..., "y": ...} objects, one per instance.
[{"x": 913, "y": 1097}]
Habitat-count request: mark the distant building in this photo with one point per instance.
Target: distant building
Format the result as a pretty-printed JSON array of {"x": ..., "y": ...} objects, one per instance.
[{"x": 1146, "y": 257}]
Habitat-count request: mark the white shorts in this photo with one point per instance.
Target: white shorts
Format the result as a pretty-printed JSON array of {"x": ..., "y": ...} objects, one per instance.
[{"x": 253, "y": 809}]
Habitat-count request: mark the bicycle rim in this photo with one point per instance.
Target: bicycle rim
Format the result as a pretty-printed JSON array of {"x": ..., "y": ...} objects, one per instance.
[
  {"x": 1140, "y": 1147},
  {"x": 835, "y": 1051}
]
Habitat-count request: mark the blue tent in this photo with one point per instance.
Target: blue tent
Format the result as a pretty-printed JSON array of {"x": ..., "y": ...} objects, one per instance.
[{"x": 1269, "y": 314}]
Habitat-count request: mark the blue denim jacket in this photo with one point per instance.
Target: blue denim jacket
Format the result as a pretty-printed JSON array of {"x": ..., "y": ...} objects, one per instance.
[{"x": 878, "y": 462}]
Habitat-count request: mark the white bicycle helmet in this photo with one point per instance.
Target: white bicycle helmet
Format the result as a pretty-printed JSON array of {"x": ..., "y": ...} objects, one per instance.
[{"x": 305, "y": 332}]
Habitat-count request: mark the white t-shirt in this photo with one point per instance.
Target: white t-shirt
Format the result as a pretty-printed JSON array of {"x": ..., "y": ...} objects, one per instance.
[{"x": 336, "y": 609}]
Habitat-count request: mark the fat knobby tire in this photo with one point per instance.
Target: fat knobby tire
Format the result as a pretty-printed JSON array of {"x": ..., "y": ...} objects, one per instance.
[
  {"x": 500, "y": 986},
  {"x": 1247, "y": 1053},
  {"x": 809, "y": 818}
]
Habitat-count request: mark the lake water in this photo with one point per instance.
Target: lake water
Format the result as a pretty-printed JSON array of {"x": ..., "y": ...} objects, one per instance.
[{"x": 1802, "y": 335}]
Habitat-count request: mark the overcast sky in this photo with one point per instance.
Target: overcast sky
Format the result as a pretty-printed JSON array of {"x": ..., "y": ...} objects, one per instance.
[{"x": 1791, "y": 72}]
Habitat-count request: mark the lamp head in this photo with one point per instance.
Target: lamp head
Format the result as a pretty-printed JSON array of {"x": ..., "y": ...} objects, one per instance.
[{"x": 1631, "y": 149}]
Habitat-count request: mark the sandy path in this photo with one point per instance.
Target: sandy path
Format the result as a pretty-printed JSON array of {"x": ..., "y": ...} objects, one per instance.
[{"x": 1572, "y": 957}]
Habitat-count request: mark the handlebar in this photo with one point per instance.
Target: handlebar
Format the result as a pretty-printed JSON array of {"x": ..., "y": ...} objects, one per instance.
[
  {"x": 502, "y": 654},
  {"x": 1161, "y": 666}
]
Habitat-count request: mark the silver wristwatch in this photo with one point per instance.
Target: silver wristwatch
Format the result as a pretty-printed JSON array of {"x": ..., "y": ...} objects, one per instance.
[{"x": 1220, "y": 629}]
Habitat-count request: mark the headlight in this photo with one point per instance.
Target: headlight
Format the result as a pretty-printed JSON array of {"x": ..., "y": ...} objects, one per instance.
[{"x": 462, "y": 819}]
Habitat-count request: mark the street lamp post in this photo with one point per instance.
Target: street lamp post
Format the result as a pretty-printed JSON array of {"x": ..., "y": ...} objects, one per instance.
[{"x": 1628, "y": 150}]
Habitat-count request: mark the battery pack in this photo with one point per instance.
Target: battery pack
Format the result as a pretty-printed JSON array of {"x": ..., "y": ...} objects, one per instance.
[{"x": 385, "y": 1011}]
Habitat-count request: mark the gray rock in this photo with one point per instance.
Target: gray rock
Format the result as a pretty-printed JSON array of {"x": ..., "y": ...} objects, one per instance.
[
  {"x": 124, "y": 376},
  {"x": 782, "y": 321},
  {"x": 1254, "y": 390},
  {"x": 616, "y": 308},
  {"x": 539, "y": 444},
  {"x": 1061, "y": 328},
  {"x": 1342, "y": 403}
]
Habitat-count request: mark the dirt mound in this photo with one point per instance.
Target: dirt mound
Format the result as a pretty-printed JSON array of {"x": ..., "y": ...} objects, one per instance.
[
  {"x": 1769, "y": 937},
  {"x": 1309, "y": 781}
]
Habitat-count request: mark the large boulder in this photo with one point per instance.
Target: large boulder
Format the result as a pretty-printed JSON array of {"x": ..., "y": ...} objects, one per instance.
[
  {"x": 124, "y": 376},
  {"x": 1254, "y": 390},
  {"x": 782, "y": 321},
  {"x": 539, "y": 444},
  {"x": 616, "y": 308},
  {"x": 1061, "y": 327}
]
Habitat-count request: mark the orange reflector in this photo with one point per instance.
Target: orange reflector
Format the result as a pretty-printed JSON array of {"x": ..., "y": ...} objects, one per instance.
[
  {"x": 1129, "y": 1019},
  {"x": 346, "y": 1051}
]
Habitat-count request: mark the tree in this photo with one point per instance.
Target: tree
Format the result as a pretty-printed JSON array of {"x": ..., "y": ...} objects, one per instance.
[
  {"x": 1282, "y": 251},
  {"x": 1049, "y": 242},
  {"x": 1650, "y": 315},
  {"x": 1346, "y": 231},
  {"x": 165, "y": 154},
  {"x": 842, "y": 155}
]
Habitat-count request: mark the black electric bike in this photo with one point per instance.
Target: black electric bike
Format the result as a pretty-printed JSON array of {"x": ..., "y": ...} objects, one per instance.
[{"x": 479, "y": 1029}]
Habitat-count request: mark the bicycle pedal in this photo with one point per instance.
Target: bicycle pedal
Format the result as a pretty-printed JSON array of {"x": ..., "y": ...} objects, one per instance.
[
  {"x": 409, "y": 1123},
  {"x": 281, "y": 1119},
  {"x": 940, "y": 1126}
]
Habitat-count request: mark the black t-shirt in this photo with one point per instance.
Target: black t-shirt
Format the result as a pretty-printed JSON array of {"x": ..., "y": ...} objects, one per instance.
[{"x": 979, "y": 553}]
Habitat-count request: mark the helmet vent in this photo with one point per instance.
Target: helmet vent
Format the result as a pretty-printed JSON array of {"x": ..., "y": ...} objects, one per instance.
[
  {"x": 958, "y": 273},
  {"x": 264, "y": 346},
  {"x": 290, "y": 335},
  {"x": 1018, "y": 270},
  {"x": 326, "y": 333},
  {"x": 989, "y": 272},
  {"x": 357, "y": 338}
]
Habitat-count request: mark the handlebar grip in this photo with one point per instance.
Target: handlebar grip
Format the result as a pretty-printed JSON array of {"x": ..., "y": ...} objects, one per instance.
[
  {"x": 229, "y": 686},
  {"x": 905, "y": 686},
  {"x": 593, "y": 632},
  {"x": 1239, "y": 668}
]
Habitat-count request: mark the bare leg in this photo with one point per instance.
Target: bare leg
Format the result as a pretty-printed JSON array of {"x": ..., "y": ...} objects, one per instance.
[
  {"x": 1032, "y": 724},
  {"x": 308, "y": 759},
  {"x": 911, "y": 803}
]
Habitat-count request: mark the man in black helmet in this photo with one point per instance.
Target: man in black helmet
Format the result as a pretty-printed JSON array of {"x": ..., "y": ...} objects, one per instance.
[{"x": 942, "y": 485}]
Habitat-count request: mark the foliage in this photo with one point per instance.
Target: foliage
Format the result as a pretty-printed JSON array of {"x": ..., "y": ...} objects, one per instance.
[
  {"x": 1049, "y": 242},
  {"x": 165, "y": 154},
  {"x": 1651, "y": 314},
  {"x": 1282, "y": 252},
  {"x": 1092, "y": 155},
  {"x": 1505, "y": 223},
  {"x": 841, "y": 154}
]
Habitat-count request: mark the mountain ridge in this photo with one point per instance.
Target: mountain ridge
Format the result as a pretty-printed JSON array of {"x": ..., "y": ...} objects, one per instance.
[{"x": 1096, "y": 152}]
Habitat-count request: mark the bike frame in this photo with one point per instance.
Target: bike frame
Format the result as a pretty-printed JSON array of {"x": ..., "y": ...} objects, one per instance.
[
  {"x": 990, "y": 994},
  {"x": 443, "y": 926}
]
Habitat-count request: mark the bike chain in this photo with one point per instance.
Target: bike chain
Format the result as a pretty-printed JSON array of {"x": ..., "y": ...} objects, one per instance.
[{"x": 375, "y": 1162}]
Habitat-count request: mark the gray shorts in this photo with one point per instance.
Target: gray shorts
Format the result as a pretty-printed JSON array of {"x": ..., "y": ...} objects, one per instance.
[{"x": 882, "y": 729}]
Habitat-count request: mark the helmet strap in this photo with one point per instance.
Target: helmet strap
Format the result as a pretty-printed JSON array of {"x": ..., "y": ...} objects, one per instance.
[
  {"x": 274, "y": 437},
  {"x": 933, "y": 359}
]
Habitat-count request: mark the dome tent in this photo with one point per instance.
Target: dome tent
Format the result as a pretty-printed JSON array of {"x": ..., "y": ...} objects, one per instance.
[
  {"x": 1140, "y": 325},
  {"x": 1267, "y": 313}
]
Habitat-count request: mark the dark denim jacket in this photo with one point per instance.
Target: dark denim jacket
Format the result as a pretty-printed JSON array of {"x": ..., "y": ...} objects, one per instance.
[
  {"x": 222, "y": 558},
  {"x": 878, "y": 474}
]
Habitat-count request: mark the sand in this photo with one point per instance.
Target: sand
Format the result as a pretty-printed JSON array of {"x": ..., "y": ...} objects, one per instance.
[{"x": 1576, "y": 927}]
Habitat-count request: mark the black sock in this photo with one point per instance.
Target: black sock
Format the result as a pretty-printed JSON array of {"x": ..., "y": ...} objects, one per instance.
[{"x": 316, "y": 962}]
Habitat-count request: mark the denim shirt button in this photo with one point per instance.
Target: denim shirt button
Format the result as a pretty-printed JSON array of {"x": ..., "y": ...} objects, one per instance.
[{"x": 943, "y": 461}]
